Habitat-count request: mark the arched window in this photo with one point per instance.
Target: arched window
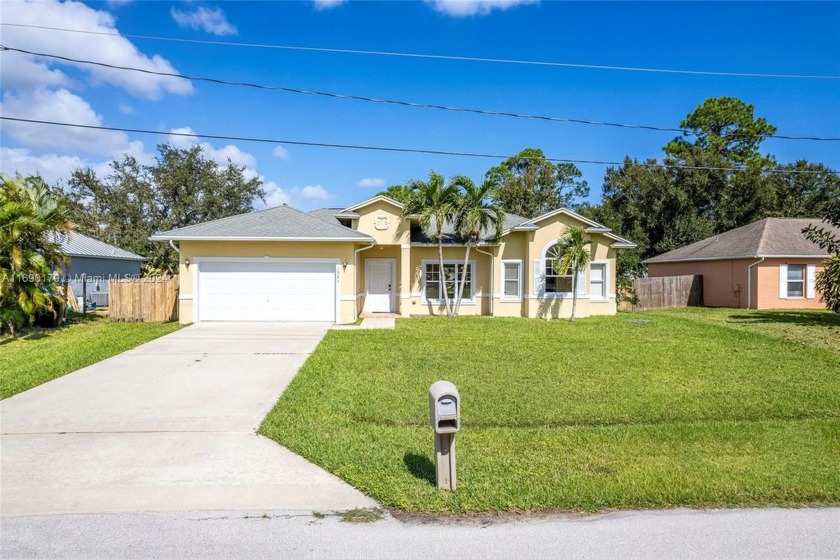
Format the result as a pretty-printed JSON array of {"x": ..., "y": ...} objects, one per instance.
[{"x": 554, "y": 281}]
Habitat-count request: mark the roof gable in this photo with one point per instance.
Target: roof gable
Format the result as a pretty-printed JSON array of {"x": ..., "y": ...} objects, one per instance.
[
  {"x": 591, "y": 226},
  {"x": 772, "y": 236},
  {"x": 379, "y": 198}
]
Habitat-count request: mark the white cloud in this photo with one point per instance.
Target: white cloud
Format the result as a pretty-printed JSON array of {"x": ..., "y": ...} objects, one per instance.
[
  {"x": 312, "y": 192},
  {"x": 126, "y": 109},
  {"x": 51, "y": 167},
  {"x": 280, "y": 152},
  {"x": 110, "y": 48},
  {"x": 462, "y": 8},
  {"x": 22, "y": 72},
  {"x": 118, "y": 3},
  {"x": 274, "y": 195},
  {"x": 219, "y": 155},
  {"x": 372, "y": 182},
  {"x": 62, "y": 106},
  {"x": 211, "y": 20},
  {"x": 327, "y": 4},
  {"x": 304, "y": 197}
]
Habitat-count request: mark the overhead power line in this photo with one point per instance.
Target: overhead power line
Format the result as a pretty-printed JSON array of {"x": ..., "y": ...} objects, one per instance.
[
  {"x": 410, "y": 104},
  {"x": 384, "y": 148},
  {"x": 437, "y": 56}
]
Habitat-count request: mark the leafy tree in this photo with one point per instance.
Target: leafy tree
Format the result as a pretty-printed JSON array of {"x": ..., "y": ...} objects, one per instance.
[
  {"x": 663, "y": 208},
  {"x": 806, "y": 193},
  {"x": 181, "y": 188},
  {"x": 435, "y": 202},
  {"x": 734, "y": 189},
  {"x": 399, "y": 192},
  {"x": 572, "y": 256},
  {"x": 724, "y": 128},
  {"x": 31, "y": 220},
  {"x": 476, "y": 211},
  {"x": 529, "y": 185},
  {"x": 828, "y": 280}
]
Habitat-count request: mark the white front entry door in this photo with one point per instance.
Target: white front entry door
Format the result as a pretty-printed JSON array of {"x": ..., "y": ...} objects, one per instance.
[{"x": 379, "y": 285}]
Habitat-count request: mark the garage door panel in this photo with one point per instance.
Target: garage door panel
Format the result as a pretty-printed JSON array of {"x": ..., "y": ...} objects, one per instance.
[{"x": 269, "y": 291}]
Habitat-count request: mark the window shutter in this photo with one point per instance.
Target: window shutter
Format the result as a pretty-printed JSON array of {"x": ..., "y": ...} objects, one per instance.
[
  {"x": 811, "y": 279},
  {"x": 609, "y": 288},
  {"x": 539, "y": 278},
  {"x": 782, "y": 281},
  {"x": 581, "y": 283}
]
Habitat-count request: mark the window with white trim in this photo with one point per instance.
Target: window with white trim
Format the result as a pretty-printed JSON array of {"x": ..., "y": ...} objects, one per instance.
[
  {"x": 554, "y": 281},
  {"x": 433, "y": 281},
  {"x": 512, "y": 279},
  {"x": 796, "y": 280},
  {"x": 598, "y": 282}
]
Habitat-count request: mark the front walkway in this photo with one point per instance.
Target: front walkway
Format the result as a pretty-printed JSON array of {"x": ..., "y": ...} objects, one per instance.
[{"x": 167, "y": 426}]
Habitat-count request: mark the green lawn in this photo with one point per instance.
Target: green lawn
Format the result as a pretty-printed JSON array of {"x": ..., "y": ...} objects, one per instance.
[
  {"x": 43, "y": 354},
  {"x": 691, "y": 407}
]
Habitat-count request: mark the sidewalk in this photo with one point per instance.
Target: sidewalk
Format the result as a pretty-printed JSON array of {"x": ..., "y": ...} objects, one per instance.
[{"x": 743, "y": 533}]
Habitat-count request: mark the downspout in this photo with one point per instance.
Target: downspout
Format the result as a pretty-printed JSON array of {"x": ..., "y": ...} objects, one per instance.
[
  {"x": 356, "y": 278},
  {"x": 492, "y": 273},
  {"x": 749, "y": 281},
  {"x": 172, "y": 244}
]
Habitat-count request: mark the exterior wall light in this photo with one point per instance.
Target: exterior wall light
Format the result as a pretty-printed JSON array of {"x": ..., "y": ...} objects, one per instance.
[{"x": 187, "y": 263}]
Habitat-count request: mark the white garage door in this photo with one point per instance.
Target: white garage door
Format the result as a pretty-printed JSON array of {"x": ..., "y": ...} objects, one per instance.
[{"x": 267, "y": 291}]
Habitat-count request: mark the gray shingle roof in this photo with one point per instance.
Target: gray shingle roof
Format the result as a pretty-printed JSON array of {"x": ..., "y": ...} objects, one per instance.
[
  {"x": 280, "y": 223},
  {"x": 77, "y": 244},
  {"x": 449, "y": 235},
  {"x": 327, "y": 214},
  {"x": 773, "y": 236}
]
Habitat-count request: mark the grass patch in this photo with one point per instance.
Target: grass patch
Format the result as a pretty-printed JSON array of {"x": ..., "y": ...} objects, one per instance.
[
  {"x": 42, "y": 354},
  {"x": 808, "y": 328},
  {"x": 684, "y": 410},
  {"x": 362, "y": 516}
]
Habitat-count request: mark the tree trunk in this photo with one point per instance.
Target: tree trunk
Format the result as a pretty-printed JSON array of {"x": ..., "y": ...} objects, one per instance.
[
  {"x": 463, "y": 281},
  {"x": 443, "y": 293},
  {"x": 574, "y": 293}
]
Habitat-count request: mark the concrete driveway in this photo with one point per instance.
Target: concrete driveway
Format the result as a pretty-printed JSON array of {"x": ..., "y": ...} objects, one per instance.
[{"x": 167, "y": 426}]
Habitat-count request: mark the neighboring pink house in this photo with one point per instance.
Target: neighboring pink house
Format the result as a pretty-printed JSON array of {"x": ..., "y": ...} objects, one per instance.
[{"x": 768, "y": 264}]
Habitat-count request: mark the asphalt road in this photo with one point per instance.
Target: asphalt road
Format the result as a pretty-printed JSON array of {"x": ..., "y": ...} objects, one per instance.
[{"x": 764, "y": 533}]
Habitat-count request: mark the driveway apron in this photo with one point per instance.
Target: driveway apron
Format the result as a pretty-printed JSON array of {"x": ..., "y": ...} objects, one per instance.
[{"x": 167, "y": 426}]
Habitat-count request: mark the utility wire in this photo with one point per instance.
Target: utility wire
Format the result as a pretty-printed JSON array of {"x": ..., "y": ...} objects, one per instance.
[
  {"x": 437, "y": 56},
  {"x": 410, "y": 104},
  {"x": 387, "y": 148}
]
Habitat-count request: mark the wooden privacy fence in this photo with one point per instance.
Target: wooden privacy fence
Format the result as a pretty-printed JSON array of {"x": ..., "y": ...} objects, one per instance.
[
  {"x": 152, "y": 299},
  {"x": 666, "y": 292}
]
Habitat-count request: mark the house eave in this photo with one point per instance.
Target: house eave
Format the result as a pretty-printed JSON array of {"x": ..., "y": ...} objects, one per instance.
[
  {"x": 256, "y": 239},
  {"x": 107, "y": 257},
  {"x": 369, "y": 201},
  {"x": 748, "y": 257},
  {"x": 454, "y": 245}
]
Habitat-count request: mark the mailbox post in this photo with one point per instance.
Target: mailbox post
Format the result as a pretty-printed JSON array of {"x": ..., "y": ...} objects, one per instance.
[{"x": 445, "y": 417}]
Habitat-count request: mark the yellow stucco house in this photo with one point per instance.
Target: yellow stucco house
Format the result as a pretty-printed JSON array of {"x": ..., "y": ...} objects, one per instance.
[{"x": 335, "y": 264}]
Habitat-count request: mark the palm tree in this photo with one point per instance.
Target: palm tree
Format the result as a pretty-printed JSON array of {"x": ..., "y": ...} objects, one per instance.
[
  {"x": 31, "y": 219},
  {"x": 434, "y": 202},
  {"x": 477, "y": 211},
  {"x": 572, "y": 256}
]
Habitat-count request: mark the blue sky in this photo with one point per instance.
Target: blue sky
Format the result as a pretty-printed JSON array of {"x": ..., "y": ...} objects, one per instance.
[{"x": 787, "y": 38}]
